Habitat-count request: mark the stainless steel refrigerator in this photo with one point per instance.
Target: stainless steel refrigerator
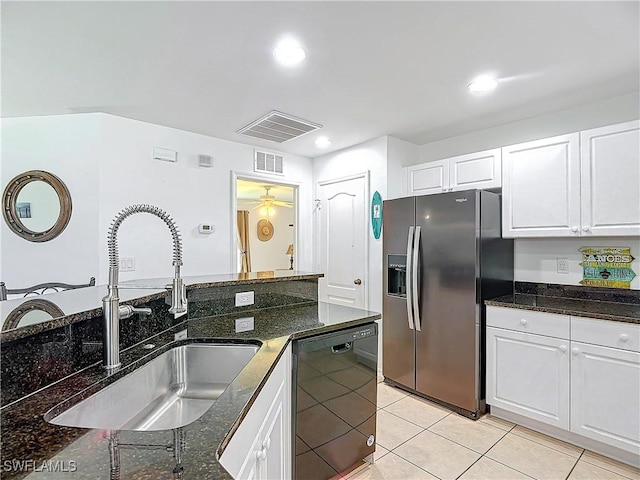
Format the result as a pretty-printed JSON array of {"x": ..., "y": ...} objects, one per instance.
[{"x": 443, "y": 256}]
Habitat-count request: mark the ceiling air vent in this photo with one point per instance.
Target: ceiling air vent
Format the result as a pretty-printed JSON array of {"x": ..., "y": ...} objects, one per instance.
[
  {"x": 278, "y": 127},
  {"x": 268, "y": 162}
]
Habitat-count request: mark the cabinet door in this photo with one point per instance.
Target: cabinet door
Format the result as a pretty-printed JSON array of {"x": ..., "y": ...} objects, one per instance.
[
  {"x": 272, "y": 456},
  {"x": 476, "y": 170},
  {"x": 605, "y": 394},
  {"x": 428, "y": 178},
  {"x": 610, "y": 166},
  {"x": 529, "y": 375},
  {"x": 541, "y": 188},
  {"x": 262, "y": 443}
]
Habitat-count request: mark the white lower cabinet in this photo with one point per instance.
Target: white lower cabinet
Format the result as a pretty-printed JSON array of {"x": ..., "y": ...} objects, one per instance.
[
  {"x": 587, "y": 385},
  {"x": 261, "y": 446},
  {"x": 529, "y": 374},
  {"x": 605, "y": 395}
]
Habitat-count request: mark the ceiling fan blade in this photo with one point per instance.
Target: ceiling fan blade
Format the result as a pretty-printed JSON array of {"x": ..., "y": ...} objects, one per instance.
[{"x": 281, "y": 203}]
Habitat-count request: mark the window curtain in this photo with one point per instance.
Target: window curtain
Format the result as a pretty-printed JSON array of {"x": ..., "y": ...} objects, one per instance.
[{"x": 243, "y": 240}]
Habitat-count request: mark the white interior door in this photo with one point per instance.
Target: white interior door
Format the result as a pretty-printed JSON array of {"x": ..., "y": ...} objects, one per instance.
[{"x": 342, "y": 240}]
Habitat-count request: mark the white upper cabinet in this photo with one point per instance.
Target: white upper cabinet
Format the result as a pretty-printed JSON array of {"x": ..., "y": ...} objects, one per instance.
[
  {"x": 581, "y": 184},
  {"x": 476, "y": 170},
  {"x": 464, "y": 172},
  {"x": 541, "y": 188},
  {"x": 611, "y": 180},
  {"x": 428, "y": 178}
]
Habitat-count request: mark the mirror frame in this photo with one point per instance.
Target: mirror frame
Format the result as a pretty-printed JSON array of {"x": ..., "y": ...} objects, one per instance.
[
  {"x": 10, "y": 199},
  {"x": 13, "y": 319}
]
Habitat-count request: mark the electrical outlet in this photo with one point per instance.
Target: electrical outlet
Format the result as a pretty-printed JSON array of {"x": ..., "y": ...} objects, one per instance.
[
  {"x": 181, "y": 335},
  {"x": 244, "y": 324},
  {"x": 127, "y": 264},
  {"x": 244, "y": 298},
  {"x": 563, "y": 265}
]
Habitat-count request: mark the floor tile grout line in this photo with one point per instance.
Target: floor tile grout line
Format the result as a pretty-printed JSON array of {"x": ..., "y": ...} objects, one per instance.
[
  {"x": 417, "y": 466},
  {"x": 548, "y": 446},
  {"x": 461, "y": 445},
  {"x": 475, "y": 421},
  {"x": 574, "y": 466},
  {"x": 413, "y": 423},
  {"x": 413, "y": 436},
  {"x": 481, "y": 456},
  {"x": 508, "y": 466},
  {"x": 608, "y": 469}
]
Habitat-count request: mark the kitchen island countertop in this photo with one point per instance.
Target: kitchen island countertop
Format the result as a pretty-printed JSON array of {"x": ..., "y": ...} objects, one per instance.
[{"x": 27, "y": 436}]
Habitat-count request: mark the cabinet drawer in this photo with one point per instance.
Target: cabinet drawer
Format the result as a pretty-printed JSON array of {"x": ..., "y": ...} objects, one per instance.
[
  {"x": 540, "y": 323},
  {"x": 625, "y": 336}
]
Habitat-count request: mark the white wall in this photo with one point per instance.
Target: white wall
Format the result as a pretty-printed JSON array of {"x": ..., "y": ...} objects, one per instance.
[
  {"x": 269, "y": 255},
  {"x": 536, "y": 259},
  {"x": 614, "y": 110},
  {"x": 399, "y": 153},
  {"x": 106, "y": 161},
  {"x": 67, "y": 146},
  {"x": 368, "y": 156}
]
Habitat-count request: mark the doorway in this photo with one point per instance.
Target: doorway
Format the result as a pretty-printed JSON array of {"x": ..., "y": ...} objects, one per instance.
[{"x": 264, "y": 225}]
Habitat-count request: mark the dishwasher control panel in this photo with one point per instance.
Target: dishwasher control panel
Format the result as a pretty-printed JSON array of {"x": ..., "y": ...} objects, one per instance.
[{"x": 367, "y": 332}]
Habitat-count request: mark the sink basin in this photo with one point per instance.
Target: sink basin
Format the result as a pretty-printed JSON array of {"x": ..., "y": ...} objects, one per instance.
[{"x": 170, "y": 391}]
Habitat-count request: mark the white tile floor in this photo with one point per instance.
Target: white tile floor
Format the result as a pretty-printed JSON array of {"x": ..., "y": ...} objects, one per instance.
[{"x": 418, "y": 439}]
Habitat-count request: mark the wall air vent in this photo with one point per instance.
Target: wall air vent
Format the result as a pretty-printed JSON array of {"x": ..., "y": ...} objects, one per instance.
[
  {"x": 278, "y": 127},
  {"x": 268, "y": 162}
]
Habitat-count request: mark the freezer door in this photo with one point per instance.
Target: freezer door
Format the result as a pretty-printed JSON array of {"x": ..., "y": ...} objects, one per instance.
[
  {"x": 398, "y": 338},
  {"x": 447, "y": 343}
]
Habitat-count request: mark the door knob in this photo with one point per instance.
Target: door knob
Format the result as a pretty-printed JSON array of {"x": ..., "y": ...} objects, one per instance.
[
  {"x": 574, "y": 229},
  {"x": 357, "y": 281},
  {"x": 585, "y": 228}
]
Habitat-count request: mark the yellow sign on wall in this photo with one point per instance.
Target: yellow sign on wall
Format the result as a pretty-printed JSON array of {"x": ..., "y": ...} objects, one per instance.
[{"x": 607, "y": 267}]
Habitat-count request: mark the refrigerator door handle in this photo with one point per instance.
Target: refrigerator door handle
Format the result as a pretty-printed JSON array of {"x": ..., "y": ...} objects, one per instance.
[
  {"x": 414, "y": 279},
  {"x": 408, "y": 279}
]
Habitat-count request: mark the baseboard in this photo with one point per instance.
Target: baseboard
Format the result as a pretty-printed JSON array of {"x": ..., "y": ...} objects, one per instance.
[{"x": 570, "y": 437}]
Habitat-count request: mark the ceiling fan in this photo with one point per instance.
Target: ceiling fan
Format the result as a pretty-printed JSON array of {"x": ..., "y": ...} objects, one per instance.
[{"x": 267, "y": 200}]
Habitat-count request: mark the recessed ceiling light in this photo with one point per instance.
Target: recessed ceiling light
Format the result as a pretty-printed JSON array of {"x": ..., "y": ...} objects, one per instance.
[
  {"x": 288, "y": 52},
  {"x": 322, "y": 142},
  {"x": 482, "y": 85}
]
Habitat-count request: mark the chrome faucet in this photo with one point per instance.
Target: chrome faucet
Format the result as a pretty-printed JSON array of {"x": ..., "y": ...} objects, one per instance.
[{"x": 112, "y": 310}]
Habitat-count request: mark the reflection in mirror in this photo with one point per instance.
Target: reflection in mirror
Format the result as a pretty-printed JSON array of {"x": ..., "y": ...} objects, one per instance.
[
  {"x": 36, "y": 206},
  {"x": 30, "y": 312}
]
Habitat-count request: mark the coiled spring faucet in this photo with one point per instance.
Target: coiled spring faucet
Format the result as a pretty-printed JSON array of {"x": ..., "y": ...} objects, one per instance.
[{"x": 112, "y": 310}]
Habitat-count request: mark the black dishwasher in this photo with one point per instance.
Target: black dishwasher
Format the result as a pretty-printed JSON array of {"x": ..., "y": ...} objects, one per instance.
[{"x": 334, "y": 401}]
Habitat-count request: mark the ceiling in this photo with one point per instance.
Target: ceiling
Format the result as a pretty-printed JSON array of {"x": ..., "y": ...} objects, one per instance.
[
  {"x": 246, "y": 189},
  {"x": 372, "y": 68}
]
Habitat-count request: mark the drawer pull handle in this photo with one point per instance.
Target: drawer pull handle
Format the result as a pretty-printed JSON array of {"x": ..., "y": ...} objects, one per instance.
[
  {"x": 523, "y": 322},
  {"x": 575, "y": 351},
  {"x": 624, "y": 337},
  {"x": 574, "y": 229},
  {"x": 585, "y": 228},
  {"x": 562, "y": 348}
]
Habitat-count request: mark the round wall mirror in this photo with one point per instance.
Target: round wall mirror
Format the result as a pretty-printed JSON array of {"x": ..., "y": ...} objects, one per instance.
[{"x": 36, "y": 206}]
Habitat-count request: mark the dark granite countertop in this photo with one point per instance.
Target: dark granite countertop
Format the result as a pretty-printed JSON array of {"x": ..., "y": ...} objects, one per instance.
[
  {"x": 606, "y": 304},
  {"x": 144, "y": 455},
  {"x": 84, "y": 303}
]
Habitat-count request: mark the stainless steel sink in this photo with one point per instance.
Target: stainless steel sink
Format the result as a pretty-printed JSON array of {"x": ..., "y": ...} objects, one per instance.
[{"x": 170, "y": 391}]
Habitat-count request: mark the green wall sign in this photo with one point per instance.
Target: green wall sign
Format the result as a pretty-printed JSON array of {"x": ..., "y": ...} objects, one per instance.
[{"x": 607, "y": 267}]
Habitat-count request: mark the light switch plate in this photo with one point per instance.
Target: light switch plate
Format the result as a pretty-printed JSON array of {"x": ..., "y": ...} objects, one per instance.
[
  {"x": 244, "y": 298},
  {"x": 127, "y": 264},
  {"x": 244, "y": 324}
]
